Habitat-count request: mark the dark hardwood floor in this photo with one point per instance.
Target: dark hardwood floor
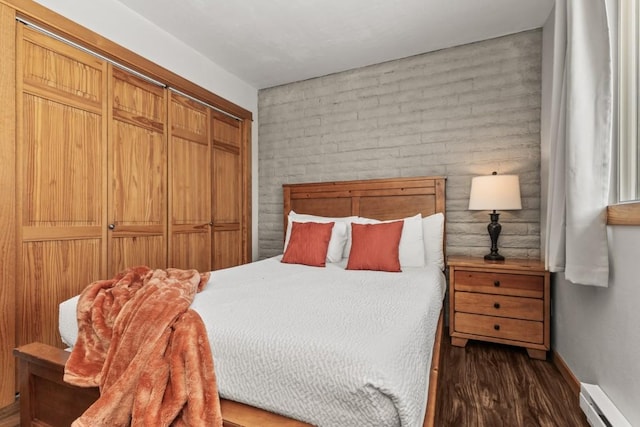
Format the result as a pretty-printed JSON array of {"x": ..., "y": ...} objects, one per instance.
[
  {"x": 484, "y": 385},
  {"x": 492, "y": 385}
]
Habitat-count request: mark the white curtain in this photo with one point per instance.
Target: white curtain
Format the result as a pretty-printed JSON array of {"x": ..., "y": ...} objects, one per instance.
[{"x": 580, "y": 142}]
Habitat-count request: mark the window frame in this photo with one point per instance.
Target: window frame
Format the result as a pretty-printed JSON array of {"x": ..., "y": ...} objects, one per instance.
[
  {"x": 627, "y": 211},
  {"x": 629, "y": 113}
]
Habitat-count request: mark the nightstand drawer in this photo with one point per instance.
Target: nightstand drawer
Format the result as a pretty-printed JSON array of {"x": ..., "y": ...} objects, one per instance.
[
  {"x": 500, "y": 305},
  {"x": 499, "y": 283},
  {"x": 500, "y": 327}
]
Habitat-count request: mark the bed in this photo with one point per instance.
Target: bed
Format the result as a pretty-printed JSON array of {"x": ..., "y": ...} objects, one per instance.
[{"x": 304, "y": 368}]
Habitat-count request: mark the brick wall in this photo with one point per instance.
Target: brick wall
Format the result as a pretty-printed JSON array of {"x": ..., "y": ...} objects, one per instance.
[{"x": 457, "y": 112}]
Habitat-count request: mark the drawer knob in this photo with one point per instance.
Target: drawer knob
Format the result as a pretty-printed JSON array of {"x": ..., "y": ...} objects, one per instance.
[
  {"x": 496, "y": 327},
  {"x": 496, "y": 305},
  {"x": 496, "y": 283}
]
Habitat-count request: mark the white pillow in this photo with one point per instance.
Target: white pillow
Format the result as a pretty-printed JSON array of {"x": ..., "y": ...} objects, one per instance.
[
  {"x": 411, "y": 249},
  {"x": 433, "y": 235},
  {"x": 339, "y": 234}
]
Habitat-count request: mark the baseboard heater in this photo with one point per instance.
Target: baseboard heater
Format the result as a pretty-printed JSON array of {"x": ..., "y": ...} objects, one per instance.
[{"x": 599, "y": 409}]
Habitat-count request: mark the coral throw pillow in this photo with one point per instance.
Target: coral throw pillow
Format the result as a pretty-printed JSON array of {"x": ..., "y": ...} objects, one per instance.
[
  {"x": 308, "y": 243},
  {"x": 375, "y": 246}
]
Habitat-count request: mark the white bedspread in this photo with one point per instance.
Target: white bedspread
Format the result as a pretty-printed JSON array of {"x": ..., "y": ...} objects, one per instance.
[{"x": 328, "y": 346}]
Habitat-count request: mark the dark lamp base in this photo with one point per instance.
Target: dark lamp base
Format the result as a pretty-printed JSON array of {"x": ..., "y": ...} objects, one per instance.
[
  {"x": 494, "y": 257},
  {"x": 494, "y": 229}
]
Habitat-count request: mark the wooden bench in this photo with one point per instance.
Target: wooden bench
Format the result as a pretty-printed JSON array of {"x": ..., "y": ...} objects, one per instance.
[{"x": 47, "y": 401}]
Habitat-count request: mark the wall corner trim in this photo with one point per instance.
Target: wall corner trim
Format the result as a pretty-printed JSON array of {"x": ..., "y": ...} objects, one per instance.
[{"x": 566, "y": 373}]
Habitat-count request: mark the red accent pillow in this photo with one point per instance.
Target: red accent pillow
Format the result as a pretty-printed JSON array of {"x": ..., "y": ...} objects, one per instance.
[
  {"x": 308, "y": 243},
  {"x": 375, "y": 246}
]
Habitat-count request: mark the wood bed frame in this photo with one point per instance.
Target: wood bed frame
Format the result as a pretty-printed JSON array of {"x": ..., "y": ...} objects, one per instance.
[{"x": 47, "y": 401}]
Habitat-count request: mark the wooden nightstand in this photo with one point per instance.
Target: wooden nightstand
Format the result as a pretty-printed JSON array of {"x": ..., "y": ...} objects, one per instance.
[{"x": 506, "y": 302}]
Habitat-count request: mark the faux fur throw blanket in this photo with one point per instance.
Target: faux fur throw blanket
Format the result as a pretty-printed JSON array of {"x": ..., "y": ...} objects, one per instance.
[{"x": 139, "y": 341}]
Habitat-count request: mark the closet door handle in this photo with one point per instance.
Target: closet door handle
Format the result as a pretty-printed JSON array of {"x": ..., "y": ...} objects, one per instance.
[
  {"x": 112, "y": 226},
  {"x": 496, "y": 305}
]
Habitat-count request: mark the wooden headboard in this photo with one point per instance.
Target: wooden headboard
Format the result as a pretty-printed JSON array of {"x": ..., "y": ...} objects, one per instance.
[{"x": 381, "y": 199}]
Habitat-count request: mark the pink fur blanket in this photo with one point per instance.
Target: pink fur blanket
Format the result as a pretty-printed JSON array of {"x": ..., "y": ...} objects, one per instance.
[{"x": 146, "y": 349}]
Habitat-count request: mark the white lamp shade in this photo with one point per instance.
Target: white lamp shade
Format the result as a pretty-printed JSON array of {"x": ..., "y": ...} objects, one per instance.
[{"x": 495, "y": 192}]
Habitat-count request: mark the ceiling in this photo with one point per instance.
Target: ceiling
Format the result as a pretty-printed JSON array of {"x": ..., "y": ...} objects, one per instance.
[{"x": 269, "y": 43}]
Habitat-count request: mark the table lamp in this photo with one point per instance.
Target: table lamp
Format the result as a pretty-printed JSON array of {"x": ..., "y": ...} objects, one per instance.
[{"x": 495, "y": 192}]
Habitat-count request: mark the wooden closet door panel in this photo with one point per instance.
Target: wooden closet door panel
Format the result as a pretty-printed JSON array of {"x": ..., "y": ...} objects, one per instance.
[
  {"x": 139, "y": 159},
  {"x": 138, "y": 100},
  {"x": 62, "y": 153},
  {"x": 8, "y": 217},
  {"x": 56, "y": 270},
  {"x": 226, "y": 130},
  {"x": 191, "y": 250},
  {"x": 190, "y": 178},
  {"x": 133, "y": 250},
  {"x": 64, "y": 72},
  {"x": 61, "y": 179},
  {"x": 227, "y": 248},
  {"x": 191, "y": 183},
  {"x": 227, "y": 192},
  {"x": 137, "y": 174}
]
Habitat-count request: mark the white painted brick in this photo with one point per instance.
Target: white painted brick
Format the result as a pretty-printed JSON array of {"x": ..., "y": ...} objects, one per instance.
[
  {"x": 458, "y": 112},
  {"x": 357, "y": 146},
  {"x": 354, "y": 125},
  {"x": 379, "y": 111},
  {"x": 283, "y": 95},
  {"x": 377, "y": 90},
  {"x": 453, "y": 137},
  {"x": 399, "y": 119},
  {"x": 449, "y": 112},
  {"x": 499, "y": 105},
  {"x": 337, "y": 117},
  {"x": 422, "y": 150},
  {"x": 421, "y": 105}
]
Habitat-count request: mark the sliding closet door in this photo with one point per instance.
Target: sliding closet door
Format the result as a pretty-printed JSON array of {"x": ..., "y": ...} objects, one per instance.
[
  {"x": 190, "y": 185},
  {"x": 61, "y": 162},
  {"x": 137, "y": 192},
  {"x": 227, "y": 191}
]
